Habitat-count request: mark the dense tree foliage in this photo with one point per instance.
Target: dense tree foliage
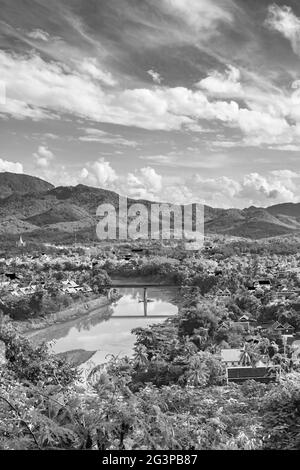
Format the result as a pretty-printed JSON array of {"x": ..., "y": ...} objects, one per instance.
[
  {"x": 172, "y": 393},
  {"x": 169, "y": 395}
]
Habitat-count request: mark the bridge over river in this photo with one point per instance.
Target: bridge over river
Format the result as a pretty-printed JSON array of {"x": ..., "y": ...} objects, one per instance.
[
  {"x": 142, "y": 286},
  {"x": 145, "y": 300}
]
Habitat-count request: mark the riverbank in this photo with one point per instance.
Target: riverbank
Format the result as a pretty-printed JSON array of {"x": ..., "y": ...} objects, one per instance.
[
  {"x": 139, "y": 280},
  {"x": 108, "y": 330},
  {"x": 73, "y": 312}
]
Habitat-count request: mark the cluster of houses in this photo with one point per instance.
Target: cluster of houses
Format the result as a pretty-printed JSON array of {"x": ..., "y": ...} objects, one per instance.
[
  {"x": 263, "y": 284},
  {"x": 71, "y": 287},
  {"x": 40, "y": 259},
  {"x": 245, "y": 321},
  {"x": 239, "y": 367},
  {"x": 16, "y": 289}
]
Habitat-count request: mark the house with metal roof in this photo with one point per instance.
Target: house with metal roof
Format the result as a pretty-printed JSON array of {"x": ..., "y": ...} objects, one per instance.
[
  {"x": 231, "y": 357},
  {"x": 264, "y": 374}
]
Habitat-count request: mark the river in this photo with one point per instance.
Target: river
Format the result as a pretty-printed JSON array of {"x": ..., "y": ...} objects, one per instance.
[{"x": 108, "y": 330}]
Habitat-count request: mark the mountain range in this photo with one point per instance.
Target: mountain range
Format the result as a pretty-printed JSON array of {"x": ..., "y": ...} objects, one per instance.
[{"x": 33, "y": 206}]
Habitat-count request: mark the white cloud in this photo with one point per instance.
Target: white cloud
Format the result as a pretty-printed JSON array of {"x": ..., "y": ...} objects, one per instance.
[
  {"x": 33, "y": 85},
  {"x": 160, "y": 160},
  {"x": 98, "y": 173},
  {"x": 253, "y": 189},
  {"x": 156, "y": 77},
  {"x": 144, "y": 183},
  {"x": 43, "y": 156},
  {"x": 21, "y": 110},
  {"x": 202, "y": 15},
  {"x": 262, "y": 189},
  {"x": 39, "y": 35},
  {"x": 283, "y": 20},
  {"x": 193, "y": 160},
  {"x": 285, "y": 174},
  {"x": 96, "y": 135},
  {"x": 13, "y": 167},
  {"x": 253, "y": 122},
  {"x": 257, "y": 189},
  {"x": 2, "y": 92},
  {"x": 218, "y": 192},
  {"x": 90, "y": 66},
  {"x": 223, "y": 84},
  {"x": 286, "y": 148},
  {"x": 152, "y": 178},
  {"x": 38, "y": 89}
]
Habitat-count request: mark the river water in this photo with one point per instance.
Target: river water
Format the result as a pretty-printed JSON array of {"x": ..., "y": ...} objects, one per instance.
[{"x": 108, "y": 330}]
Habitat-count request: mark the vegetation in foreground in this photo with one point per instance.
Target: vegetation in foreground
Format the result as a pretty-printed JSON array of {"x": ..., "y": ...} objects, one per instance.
[{"x": 170, "y": 395}]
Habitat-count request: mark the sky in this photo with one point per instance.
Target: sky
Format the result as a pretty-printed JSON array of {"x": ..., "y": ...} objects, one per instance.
[{"x": 171, "y": 100}]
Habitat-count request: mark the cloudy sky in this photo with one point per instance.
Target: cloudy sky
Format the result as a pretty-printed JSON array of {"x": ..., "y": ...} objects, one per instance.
[{"x": 174, "y": 100}]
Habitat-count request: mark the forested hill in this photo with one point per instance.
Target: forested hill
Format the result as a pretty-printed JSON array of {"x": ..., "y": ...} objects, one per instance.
[{"x": 33, "y": 206}]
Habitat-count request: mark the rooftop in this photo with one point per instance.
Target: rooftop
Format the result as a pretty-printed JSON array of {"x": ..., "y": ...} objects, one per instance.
[{"x": 230, "y": 355}]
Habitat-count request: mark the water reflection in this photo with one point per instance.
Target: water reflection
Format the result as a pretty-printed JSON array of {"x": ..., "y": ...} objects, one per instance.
[{"x": 109, "y": 330}]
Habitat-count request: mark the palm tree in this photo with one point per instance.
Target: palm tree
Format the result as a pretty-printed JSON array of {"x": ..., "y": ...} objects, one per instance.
[
  {"x": 250, "y": 355},
  {"x": 140, "y": 357},
  {"x": 245, "y": 359},
  {"x": 198, "y": 372}
]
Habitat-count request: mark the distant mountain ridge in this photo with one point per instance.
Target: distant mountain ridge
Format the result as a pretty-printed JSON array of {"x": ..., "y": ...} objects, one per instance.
[
  {"x": 15, "y": 183},
  {"x": 31, "y": 205}
]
